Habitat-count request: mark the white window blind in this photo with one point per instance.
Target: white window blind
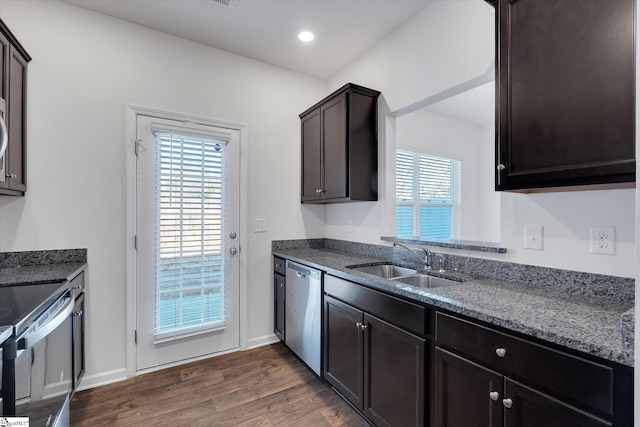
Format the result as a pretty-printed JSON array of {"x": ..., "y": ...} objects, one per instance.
[
  {"x": 190, "y": 205},
  {"x": 427, "y": 196}
]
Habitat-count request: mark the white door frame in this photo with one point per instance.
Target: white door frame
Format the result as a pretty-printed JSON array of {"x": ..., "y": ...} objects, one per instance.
[{"x": 132, "y": 112}]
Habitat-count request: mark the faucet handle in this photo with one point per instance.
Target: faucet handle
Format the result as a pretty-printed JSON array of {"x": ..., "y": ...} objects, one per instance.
[{"x": 440, "y": 261}]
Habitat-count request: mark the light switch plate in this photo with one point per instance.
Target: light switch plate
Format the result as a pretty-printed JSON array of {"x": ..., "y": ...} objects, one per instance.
[
  {"x": 260, "y": 225},
  {"x": 533, "y": 237}
]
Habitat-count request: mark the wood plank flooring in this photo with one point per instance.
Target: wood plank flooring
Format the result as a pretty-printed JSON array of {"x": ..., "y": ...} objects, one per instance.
[{"x": 264, "y": 387}]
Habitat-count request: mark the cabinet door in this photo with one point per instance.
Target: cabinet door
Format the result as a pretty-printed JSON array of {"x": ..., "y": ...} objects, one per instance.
[
  {"x": 465, "y": 393},
  {"x": 334, "y": 140},
  {"x": 394, "y": 375},
  {"x": 566, "y": 85},
  {"x": 279, "y": 292},
  {"x": 311, "y": 156},
  {"x": 343, "y": 349},
  {"x": 530, "y": 408},
  {"x": 78, "y": 341},
  {"x": 16, "y": 114}
]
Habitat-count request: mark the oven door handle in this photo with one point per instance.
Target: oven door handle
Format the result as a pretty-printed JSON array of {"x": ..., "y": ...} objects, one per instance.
[{"x": 56, "y": 320}]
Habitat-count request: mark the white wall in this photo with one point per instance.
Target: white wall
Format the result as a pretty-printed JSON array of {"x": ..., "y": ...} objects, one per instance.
[
  {"x": 425, "y": 132},
  {"x": 445, "y": 45},
  {"x": 86, "y": 68}
]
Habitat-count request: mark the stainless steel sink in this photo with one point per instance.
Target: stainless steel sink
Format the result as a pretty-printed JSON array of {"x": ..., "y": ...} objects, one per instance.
[
  {"x": 424, "y": 281},
  {"x": 386, "y": 271}
]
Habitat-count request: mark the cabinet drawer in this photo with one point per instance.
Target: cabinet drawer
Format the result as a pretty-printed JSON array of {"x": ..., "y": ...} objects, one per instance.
[
  {"x": 409, "y": 316},
  {"x": 573, "y": 378},
  {"x": 279, "y": 265}
]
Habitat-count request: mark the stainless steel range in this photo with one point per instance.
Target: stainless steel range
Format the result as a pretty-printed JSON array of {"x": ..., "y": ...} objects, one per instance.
[{"x": 36, "y": 359}]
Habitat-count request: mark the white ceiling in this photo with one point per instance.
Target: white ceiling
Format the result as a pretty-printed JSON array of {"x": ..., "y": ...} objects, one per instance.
[{"x": 266, "y": 30}]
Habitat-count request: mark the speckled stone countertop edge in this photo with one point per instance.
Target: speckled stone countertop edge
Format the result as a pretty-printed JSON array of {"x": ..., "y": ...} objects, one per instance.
[
  {"x": 590, "y": 331},
  {"x": 38, "y": 274},
  {"x": 453, "y": 244}
]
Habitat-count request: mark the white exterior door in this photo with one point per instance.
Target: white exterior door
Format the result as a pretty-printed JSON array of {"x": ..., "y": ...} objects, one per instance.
[{"x": 187, "y": 232}]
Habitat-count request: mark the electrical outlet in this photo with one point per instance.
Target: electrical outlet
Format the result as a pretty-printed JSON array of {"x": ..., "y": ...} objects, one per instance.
[
  {"x": 260, "y": 225},
  {"x": 603, "y": 240},
  {"x": 533, "y": 237}
]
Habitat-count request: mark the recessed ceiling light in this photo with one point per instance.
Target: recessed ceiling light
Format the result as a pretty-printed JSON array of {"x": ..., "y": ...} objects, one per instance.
[{"x": 306, "y": 36}]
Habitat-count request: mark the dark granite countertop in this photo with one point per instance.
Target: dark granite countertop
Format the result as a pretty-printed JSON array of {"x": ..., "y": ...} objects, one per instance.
[
  {"x": 35, "y": 267},
  {"x": 40, "y": 273},
  {"x": 590, "y": 324}
]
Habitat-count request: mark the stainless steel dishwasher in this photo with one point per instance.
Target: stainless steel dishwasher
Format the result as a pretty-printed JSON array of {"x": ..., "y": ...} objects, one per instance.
[{"x": 303, "y": 309}]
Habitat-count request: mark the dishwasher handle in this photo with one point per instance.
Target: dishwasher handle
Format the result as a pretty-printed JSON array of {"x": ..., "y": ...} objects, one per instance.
[{"x": 302, "y": 271}]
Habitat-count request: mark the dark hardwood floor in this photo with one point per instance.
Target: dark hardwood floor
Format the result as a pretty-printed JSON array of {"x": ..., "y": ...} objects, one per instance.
[{"x": 263, "y": 387}]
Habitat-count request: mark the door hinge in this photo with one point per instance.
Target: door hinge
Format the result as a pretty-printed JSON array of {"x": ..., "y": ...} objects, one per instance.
[
  {"x": 136, "y": 146},
  {"x": 135, "y": 336},
  {"x": 135, "y": 242}
]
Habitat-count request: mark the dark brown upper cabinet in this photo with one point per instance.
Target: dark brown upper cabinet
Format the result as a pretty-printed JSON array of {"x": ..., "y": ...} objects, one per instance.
[
  {"x": 565, "y": 94},
  {"x": 13, "y": 108},
  {"x": 340, "y": 147}
]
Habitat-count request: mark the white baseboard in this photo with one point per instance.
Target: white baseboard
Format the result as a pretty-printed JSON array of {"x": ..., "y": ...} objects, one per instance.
[
  {"x": 103, "y": 378},
  {"x": 261, "y": 341}
]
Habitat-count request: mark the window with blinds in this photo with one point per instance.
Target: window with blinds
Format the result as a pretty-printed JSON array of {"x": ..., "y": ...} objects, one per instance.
[
  {"x": 190, "y": 204},
  {"x": 427, "y": 196}
]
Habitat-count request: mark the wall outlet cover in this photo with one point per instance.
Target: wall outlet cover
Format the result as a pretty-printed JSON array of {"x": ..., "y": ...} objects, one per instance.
[
  {"x": 533, "y": 237},
  {"x": 603, "y": 240}
]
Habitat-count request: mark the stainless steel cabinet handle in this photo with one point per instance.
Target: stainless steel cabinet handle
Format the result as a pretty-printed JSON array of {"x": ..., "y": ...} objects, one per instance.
[
  {"x": 507, "y": 403},
  {"x": 233, "y": 235},
  {"x": 78, "y": 314},
  {"x": 362, "y": 326},
  {"x": 494, "y": 395},
  {"x": 282, "y": 285},
  {"x": 501, "y": 167},
  {"x": 233, "y": 251},
  {"x": 11, "y": 175},
  {"x": 501, "y": 352},
  {"x": 5, "y": 138}
]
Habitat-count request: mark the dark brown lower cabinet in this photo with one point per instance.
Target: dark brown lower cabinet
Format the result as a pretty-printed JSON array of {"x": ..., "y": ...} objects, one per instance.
[
  {"x": 279, "y": 292},
  {"x": 468, "y": 394},
  {"x": 463, "y": 392},
  {"x": 394, "y": 374},
  {"x": 377, "y": 366},
  {"x": 531, "y": 408},
  {"x": 344, "y": 364}
]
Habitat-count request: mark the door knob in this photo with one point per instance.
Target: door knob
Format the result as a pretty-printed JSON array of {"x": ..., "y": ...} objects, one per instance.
[{"x": 233, "y": 251}]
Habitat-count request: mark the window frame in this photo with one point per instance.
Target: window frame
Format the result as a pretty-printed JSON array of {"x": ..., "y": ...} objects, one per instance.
[{"x": 417, "y": 203}]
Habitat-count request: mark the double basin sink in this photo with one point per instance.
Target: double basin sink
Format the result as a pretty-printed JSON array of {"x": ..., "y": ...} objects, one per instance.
[{"x": 405, "y": 275}]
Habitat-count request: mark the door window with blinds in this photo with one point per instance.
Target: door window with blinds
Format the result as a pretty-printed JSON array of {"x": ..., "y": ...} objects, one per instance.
[
  {"x": 427, "y": 196},
  {"x": 189, "y": 205},
  {"x": 187, "y": 230}
]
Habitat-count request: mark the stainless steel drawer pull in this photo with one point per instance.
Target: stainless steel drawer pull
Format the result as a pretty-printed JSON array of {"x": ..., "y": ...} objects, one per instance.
[
  {"x": 501, "y": 352},
  {"x": 494, "y": 395},
  {"x": 507, "y": 403}
]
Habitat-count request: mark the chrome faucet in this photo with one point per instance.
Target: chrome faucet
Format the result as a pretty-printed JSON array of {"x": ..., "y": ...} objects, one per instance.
[{"x": 428, "y": 255}]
